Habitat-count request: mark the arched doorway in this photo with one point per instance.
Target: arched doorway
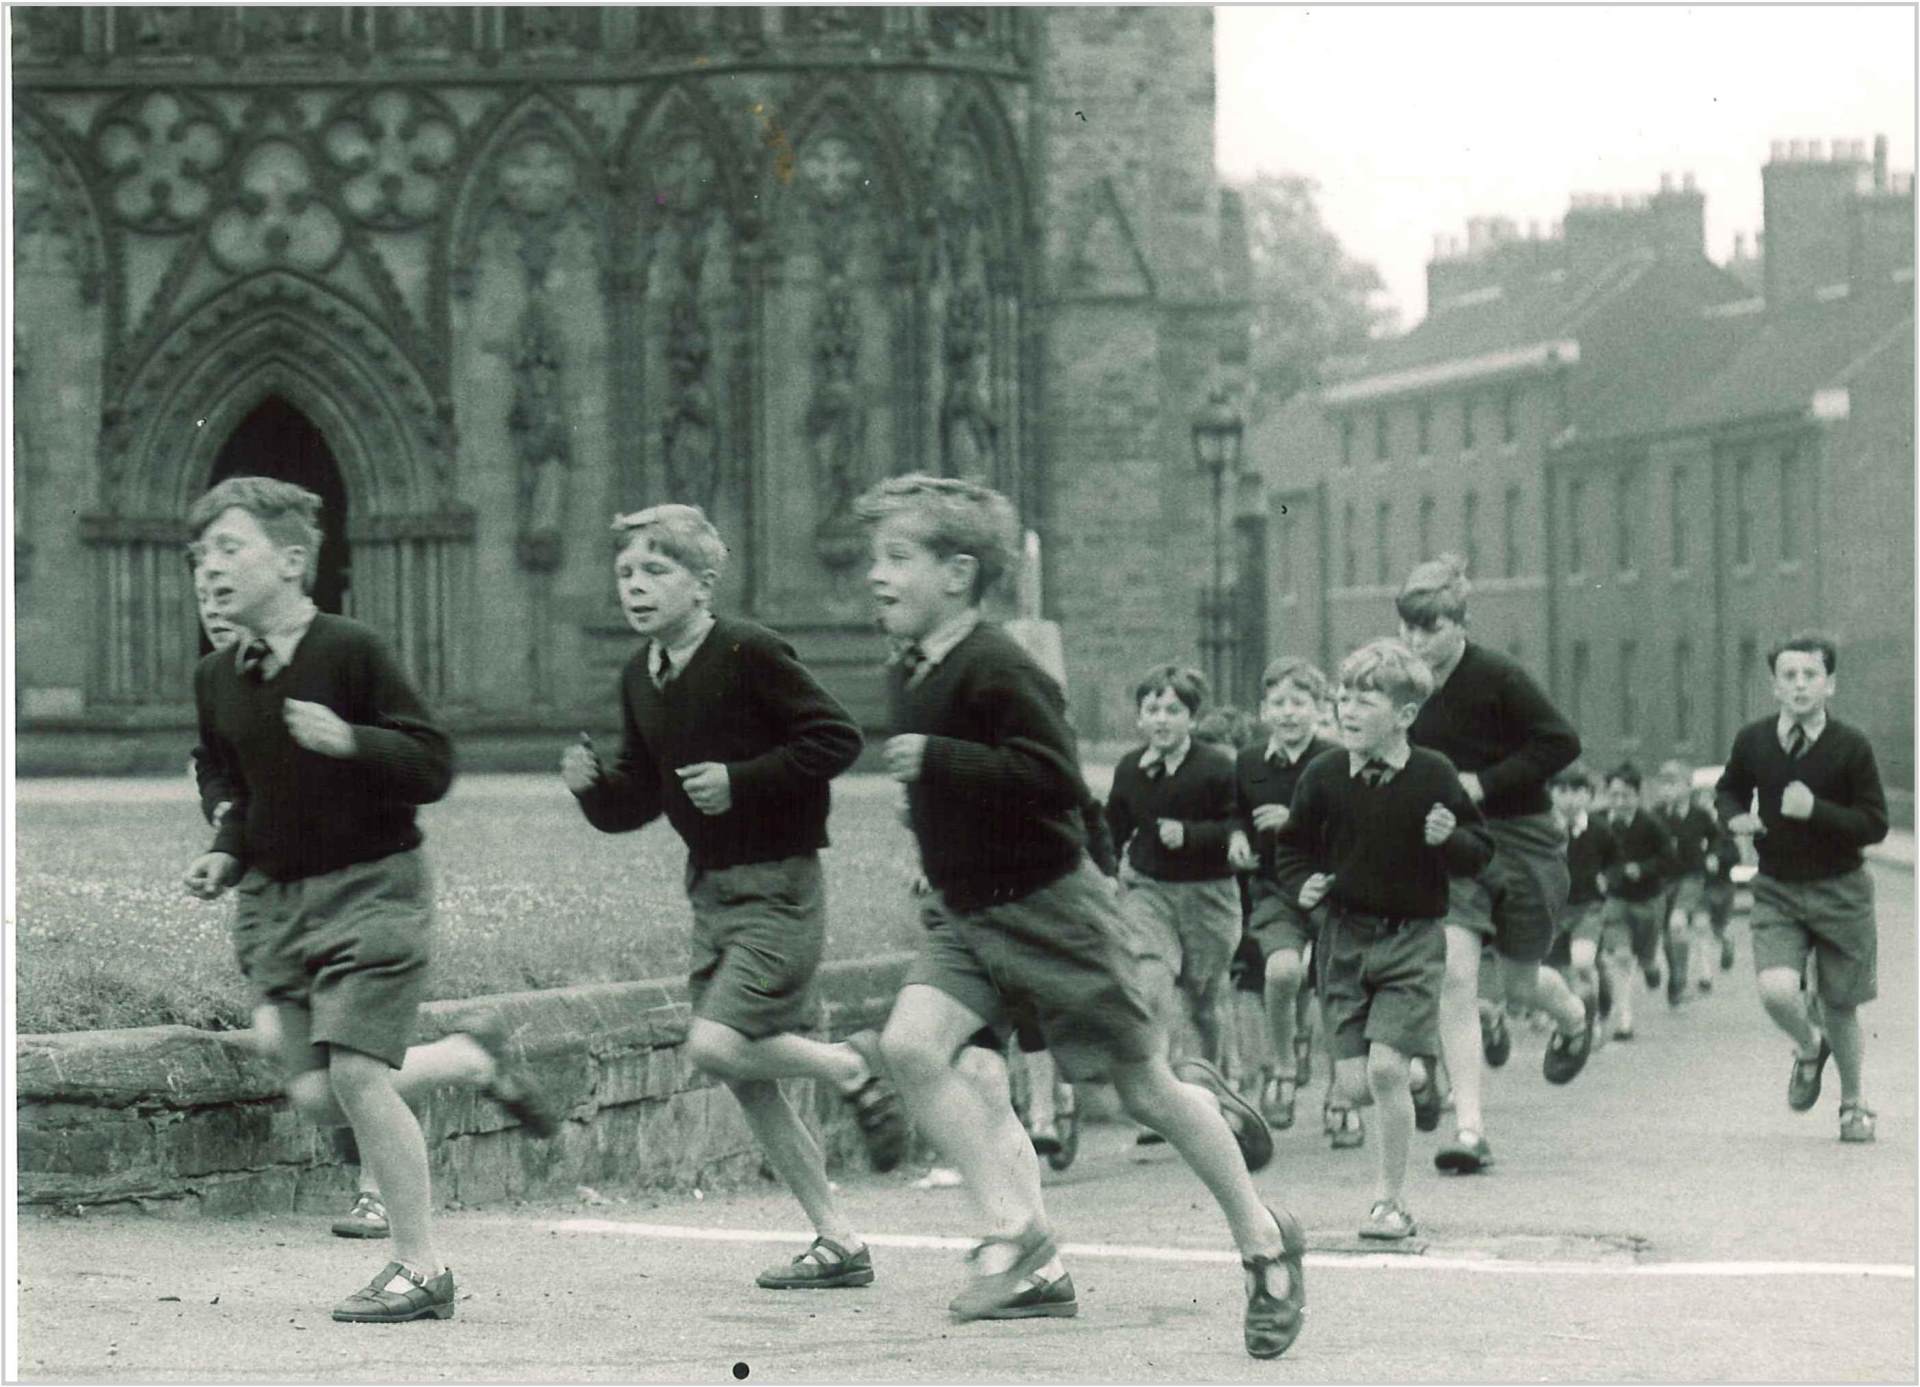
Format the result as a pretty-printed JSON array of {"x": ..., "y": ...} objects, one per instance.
[{"x": 278, "y": 441}]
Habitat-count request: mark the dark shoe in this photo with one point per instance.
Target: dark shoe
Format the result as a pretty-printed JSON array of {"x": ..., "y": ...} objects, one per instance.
[
  {"x": 1466, "y": 1154},
  {"x": 1046, "y": 1141},
  {"x": 1302, "y": 1056},
  {"x": 1148, "y": 1137},
  {"x": 1349, "y": 1132},
  {"x": 1652, "y": 974},
  {"x": 1803, "y": 1084},
  {"x": 1038, "y": 1299},
  {"x": 1277, "y": 1097},
  {"x": 1249, "y": 1129},
  {"x": 1388, "y": 1221},
  {"x": 1426, "y": 1104},
  {"x": 1496, "y": 1042},
  {"x": 1274, "y": 1322},
  {"x": 1605, "y": 999},
  {"x": 1856, "y": 1122},
  {"x": 378, "y": 1305},
  {"x": 1623, "y": 1033},
  {"x": 1567, "y": 1054},
  {"x": 1726, "y": 955},
  {"x": 1705, "y": 985},
  {"x": 512, "y": 1087},
  {"x": 366, "y": 1219},
  {"x": 1066, "y": 1115},
  {"x": 989, "y": 1296},
  {"x": 824, "y": 1266},
  {"x": 1676, "y": 988},
  {"x": 876, "y": 1107}
]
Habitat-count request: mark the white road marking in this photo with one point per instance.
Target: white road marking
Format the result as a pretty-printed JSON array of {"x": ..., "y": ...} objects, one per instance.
[{"x": 1364, "y": 1261}]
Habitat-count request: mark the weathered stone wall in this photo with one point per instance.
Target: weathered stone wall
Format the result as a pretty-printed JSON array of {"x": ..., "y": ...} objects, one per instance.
[{"x": 184, "y": 1121}]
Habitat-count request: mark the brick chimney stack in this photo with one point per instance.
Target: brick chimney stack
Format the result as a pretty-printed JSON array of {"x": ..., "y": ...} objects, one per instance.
[{"x": 1808, "y": 208}]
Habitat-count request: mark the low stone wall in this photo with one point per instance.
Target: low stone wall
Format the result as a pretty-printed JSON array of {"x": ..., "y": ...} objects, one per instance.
[{"x": 184, "y": 1121}]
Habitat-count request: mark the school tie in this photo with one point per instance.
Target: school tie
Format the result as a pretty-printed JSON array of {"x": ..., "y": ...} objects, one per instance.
[
  {"x": 663, "y": 672},
  {"x": 253, "y": 658},
  {"x": 1157, "y": 771},
  {"x": 913, "y": 662},
  {"x": 1374, "y": 773},
  {"x": 1796, "y": 742}
]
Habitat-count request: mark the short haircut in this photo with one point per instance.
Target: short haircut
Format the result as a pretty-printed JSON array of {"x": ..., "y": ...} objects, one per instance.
[
  {"x": 1227, "y": 727},
  {"x": 954, "y": 517},
  {"x": 1435, "y": 589},
  {"x": 1574, "y": 777},
  {"x": 682, "y": 533},
  {"x": 1304, "y": 675},
  {"x": 289, "y": 514},
  {"x": 1626, "y": 772},
  {"x": 1809, "y": 643},
  {"x": 1676, "y": 770},
  {"x": 1387, "y": 666},
  {"x": 1187, "y": 685}
]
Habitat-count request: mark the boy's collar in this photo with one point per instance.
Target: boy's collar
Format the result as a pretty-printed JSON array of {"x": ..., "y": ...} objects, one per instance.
[
  {"x": 681, "y": 649},
  {"x": 938, "y": 643},
  {"x": 1813, "y": 726},
  {"x": 1394, "y": 757},
  {"x": 1173, "y": 760},
  {"x": 1277, "y": 749}
]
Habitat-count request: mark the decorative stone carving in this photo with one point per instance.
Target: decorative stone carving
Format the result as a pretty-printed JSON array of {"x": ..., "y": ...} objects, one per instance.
[
  {"x": 393, "y": 149},
  {"x": 960, "y": 26},
  {"x": 538, "y": 424},
  {"x": 689, "y": 432},
  {"x": 44, "y": 33},
  {"x": 167, "y": 30},
  {"x": 968, "y": 429},
  {"x": 26, "y": 472},
  {"x": 832, "y": 167},
  {"x": 833, "y": 23},
  {"x": 160, "y": 151},
  {"x": 551, "y": 26},
  {"x": 276, "y": 217},
  {"x": 48, "y": 202},
  {"x": 297, "y": 31}
]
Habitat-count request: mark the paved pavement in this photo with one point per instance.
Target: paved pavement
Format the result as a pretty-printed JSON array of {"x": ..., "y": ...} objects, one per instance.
[{"x": 1665, "y": 1218}]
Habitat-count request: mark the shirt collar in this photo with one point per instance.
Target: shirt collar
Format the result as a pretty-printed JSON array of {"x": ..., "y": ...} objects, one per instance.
[
  {"x": 1579, "y": 824},
  {"x": 938, "y": 643},
  {"x": 284, "y": 638},
  {"x": 1173, "y": 763},
  {"x": 1784, "y": 728},
  {"x": 1395, "y": 760},
  {"x": 683, "y": 649},
  {"x": 1278, "y": 754}
]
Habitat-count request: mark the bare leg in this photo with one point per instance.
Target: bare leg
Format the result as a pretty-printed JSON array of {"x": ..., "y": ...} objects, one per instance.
[
  {"x": 1623, "y": 969},
  {"x": 1284, "y": 977},
  {"x": 1531, "y": 985},
  {"x": 1460, "y": 1025},
  {"x": 392, "y": 1146},
  {"x": 794, "y": 1155},
  {"x": 1849, "y": 1048},
  {"x": 726, "y": 1054},
  {"x": 1780, "y": 995},
  {"x": 1387, "y": 1077}
]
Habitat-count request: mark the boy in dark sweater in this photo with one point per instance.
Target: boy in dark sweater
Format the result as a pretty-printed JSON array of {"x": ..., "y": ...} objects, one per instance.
[
  {"x": 1377, "y": 832},
  {"x": 727, "y": 734},
  {"x": 1643, "y": 857},
  {"x": 1171, "y": 812},
  {"x": 1683, "y": 907},
  {"x": 1019, "y": 923},
  {"x": 1819, "y": 802},
  {"x": 1590, "y": 855},
  {"x": 1505, "y": 737},
  {"x": 322, "y": 750},
  {"x": 1295, "y": 694},
  {"x": 1722, "y": 858}
]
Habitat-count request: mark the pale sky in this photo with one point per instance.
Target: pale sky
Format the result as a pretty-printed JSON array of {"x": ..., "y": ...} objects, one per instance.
[{"x": 1414, "y": 118}]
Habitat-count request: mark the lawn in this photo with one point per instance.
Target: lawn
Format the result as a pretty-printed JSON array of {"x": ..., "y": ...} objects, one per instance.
[{"x": 529, "y": 896}]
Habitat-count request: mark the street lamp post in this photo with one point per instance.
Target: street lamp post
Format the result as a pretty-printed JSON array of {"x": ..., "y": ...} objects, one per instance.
[{"x": 1217, "y": 431}]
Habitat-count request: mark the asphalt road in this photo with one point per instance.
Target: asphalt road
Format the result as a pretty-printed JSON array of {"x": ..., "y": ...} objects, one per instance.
[{"x": 1664, "y": 1218}]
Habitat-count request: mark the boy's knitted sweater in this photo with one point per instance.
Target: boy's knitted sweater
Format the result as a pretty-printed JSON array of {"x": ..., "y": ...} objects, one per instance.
[
  {"x": 1644, "y": 842},
  {"x": 1849, "y": 805},
  {"x": 1492, "y": 720},
  {"x": 997, "y": 805},
  {"x": 299, "y": 813},
  {"x": 1199, "y": 794}
]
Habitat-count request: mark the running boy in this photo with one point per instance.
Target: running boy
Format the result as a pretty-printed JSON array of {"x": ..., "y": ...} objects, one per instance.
[
  {"x": 1722, "y": 858},
  {"x": 1683, "y": 909},
  {"x": 1020, "y": 924},
  {"x": 1171, "y": 811},
  {"x": 727, "y": 734},
  {"x": 1642, "y": 858},
  {"x": 1590, "y": 855},
  {"x": 1295, "y": 692},
  {"x": 323, "y": 750},
  {"x": 1376, "y": 833},
  {"x": 1820, "y": 803}
]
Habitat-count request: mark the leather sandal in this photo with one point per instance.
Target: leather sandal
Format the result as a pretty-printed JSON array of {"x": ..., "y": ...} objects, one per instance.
[
  {"x": 366, "y": 1219},
  {"x": 423, "y": 1299},
  {"x": 512, "y": 1087},
  {"x": 876, "y": 1107},
  {"x": 990, "y": 1295},
  {"x": 1803, "y": 1083},
  {"x": 1856, "y": 1121},
  {"x": 1273, "y": 1322},
  {"x": 825, "y": 1266}
]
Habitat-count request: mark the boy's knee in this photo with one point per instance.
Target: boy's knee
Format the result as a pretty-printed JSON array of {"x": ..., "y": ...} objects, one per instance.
[
  {"x": 909, "y": 1053},
  {"x": 311, "y": 1095},
  {"x": 1138, "y": 1088},
  {"x": 1387, "y": 1069},
  {"x": 711, "y": 1055},
  {"x": 354, "y": 1077},
  {"x": 1284, "y": 971},
  {"x": 1779, "y": 987}
]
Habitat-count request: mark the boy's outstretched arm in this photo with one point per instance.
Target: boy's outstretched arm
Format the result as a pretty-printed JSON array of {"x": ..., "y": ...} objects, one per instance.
[
  {"x": 401, "y": 743},
  {"x": 1863, "y": 822},
  {"x": 817, "y": 738},
  {"x": 1029, "y": 757},
  {"x": 625, "y": 795},
  {"x": 1469, "y": 848}
]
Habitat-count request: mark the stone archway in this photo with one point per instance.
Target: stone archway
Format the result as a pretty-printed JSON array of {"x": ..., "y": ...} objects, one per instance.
[{"x": 277, "y": 440}]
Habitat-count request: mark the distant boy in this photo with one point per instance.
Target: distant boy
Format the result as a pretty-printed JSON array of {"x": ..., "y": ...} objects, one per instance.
[
  {"x": 1294, "y": 695},
  {"x": 1171, "y": 812},
  {"x": 1683, "y": 909},
  {"x": 1820, "y": 803},
  {"x": 728, "y": 735},
  {"x": 1377, "y": 833},
  {"x": 1020, "y": 924},
  {"x": 1642, "y": 862},
  {"x": 1590, "y": 856},
  {"x": 1721, "y": 860},
  {"x": 323, "y": 750}
]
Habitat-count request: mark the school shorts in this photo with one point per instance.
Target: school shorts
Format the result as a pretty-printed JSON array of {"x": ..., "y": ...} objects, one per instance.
[
  {"x": 1517, "y": 899},
  {"x": 1689, "y": 894},
  {"x": 1635, "y": 925},
  {"x": 350, "y": 947},
  {"x": 1278, "y": 923},
  {"x": 1189, "y": 928},
  {"x": 1831, "y": 918},
  {"x": 1719, "y": 899},
  {"x": 1380, "y": 984},
  {"x": 758, "y": 933},
  {"x": 1586, "y": 920},
  {"x": 1058, "y": 957}
]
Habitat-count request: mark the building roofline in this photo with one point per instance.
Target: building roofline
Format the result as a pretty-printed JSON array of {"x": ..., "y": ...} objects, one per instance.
[{"x": 1534, "y": 359}]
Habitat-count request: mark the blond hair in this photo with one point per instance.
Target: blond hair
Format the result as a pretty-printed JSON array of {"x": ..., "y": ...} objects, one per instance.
[
  {"x": 1387, "y": 666},
  {"x": 681, "y": 532},
  {"x": 1435, "y": 589},
  {"x": 288, "y": 514},
  {"x": 953, "y": 517}
]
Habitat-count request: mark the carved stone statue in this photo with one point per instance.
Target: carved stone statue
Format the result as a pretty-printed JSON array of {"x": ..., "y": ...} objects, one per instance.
[
  {"x": 688, "y": 438},
  {"x": 539, "y": 429},
  {"x": 967, "y": 427}
]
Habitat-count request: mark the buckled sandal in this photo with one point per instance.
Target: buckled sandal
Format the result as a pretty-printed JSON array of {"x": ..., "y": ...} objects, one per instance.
[
  {"x": 1856, "y": 1121},
  {"x": 1272, "y": 1321},
  {"x": 876, "y": 1107},
  {"x": 1277, "y": 1097},
  {"x": 366, "y": 1219},
  {"x": 1803, "y": 1084},
  {"x": 423, "y": 1299},
  {"x": 825, "y": 1266},
  {"x": 993, "y": 1295},
  {"x": 512, "y": 1087},
  {"x": 1250, "y": 1131}
]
